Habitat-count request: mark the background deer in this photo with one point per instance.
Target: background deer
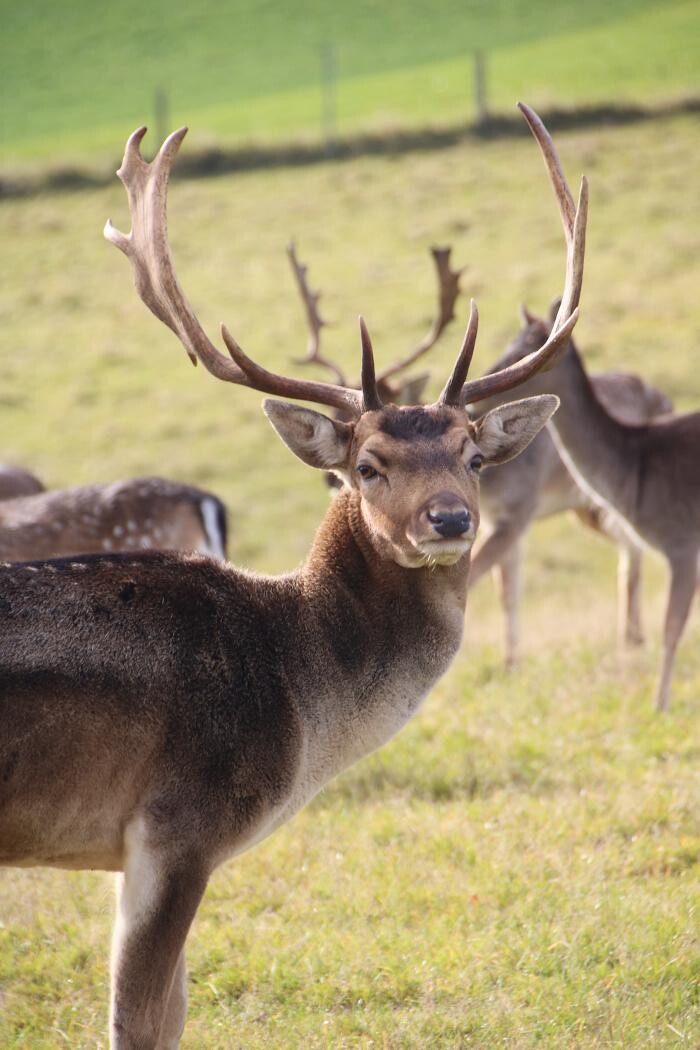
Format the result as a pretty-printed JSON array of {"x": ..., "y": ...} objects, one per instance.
[
  {"x": 646, "y": 475},
  {"x": 539, "y": 484},
  {"x": 199, "y": 706},
  {"x": 15, "y": 481},
  {"x": 535, "y": 485},
  {"x": 137, "y": 514}
]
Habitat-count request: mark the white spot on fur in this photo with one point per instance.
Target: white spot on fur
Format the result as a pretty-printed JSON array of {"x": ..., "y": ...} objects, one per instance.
[{"x": 118, "y": 530}]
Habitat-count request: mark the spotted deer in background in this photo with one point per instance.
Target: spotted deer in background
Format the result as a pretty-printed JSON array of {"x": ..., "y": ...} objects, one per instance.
[{"x": 136, "y": 514}]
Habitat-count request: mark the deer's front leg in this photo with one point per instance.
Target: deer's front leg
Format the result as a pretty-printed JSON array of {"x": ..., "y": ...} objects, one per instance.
[
  {"x": 509, "y": 571},
  {"x": 629, "y": 601},
  {"x": 176, "y": 1010},
  {"x": 496, "y": 546},
  {"x": 158, "y": 897}
]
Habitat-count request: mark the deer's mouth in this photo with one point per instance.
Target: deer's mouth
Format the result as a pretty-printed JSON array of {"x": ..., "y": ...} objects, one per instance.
[
  {"x": 445, "y": 551},
  {"x": 434, "y": 551}
]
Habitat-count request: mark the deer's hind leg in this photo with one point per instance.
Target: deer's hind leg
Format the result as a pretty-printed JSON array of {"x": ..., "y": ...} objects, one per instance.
[
  {"x": 158, "y": 897},
  {"x": 680, "y": 597}
]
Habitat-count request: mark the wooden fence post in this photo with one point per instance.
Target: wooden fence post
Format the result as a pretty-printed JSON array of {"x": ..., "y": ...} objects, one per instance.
[
  {"x": 480, "y": 101},
  {"x": 328, "y": 101}
]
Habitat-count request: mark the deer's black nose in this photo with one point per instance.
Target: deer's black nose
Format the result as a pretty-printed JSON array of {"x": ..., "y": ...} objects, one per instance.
[{"x": 450, "y": 522}]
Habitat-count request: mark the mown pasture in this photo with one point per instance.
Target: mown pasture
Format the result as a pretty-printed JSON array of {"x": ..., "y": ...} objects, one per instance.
[
  {"x": 75, "y": 77},
  {"x": 520, "y": 867}
]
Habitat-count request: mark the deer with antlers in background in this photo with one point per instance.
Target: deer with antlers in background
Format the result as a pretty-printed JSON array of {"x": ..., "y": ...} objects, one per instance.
[
  {"x": 539, "y": 484},
  {"x": 199, "y": 706},
  {"x": 646, "y": 474},
  {"x": 534, "y": 485}
]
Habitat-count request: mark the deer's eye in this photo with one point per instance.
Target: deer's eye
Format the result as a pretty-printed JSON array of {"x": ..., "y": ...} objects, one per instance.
[
  {"x": 476, "y": 462},
  {"x": 366, "y": 472}
]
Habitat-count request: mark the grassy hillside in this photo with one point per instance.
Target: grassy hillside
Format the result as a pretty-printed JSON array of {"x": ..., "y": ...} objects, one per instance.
[
  {"x": 75, "y": 77},
  {"x": 521, "y": 867}
]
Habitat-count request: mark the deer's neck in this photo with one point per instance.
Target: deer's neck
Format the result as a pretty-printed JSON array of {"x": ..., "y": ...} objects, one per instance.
[
  {"x": 600, "y": 452},
  {"x": 377, "y": 635}
]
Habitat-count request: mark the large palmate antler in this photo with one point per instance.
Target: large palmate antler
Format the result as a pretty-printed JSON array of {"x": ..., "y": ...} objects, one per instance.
[
  {"x": 457, "y": 390},
  {"x": 147, "y": 248}
]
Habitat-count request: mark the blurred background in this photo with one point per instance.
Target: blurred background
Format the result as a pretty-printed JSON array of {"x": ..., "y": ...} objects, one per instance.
[
  {"x": 74, "y": 76},
  {"x": 369, "y": 132}
]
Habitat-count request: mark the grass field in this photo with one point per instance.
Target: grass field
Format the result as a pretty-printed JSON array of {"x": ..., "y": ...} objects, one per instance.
[
  {"x": 77, "y": 77},
  {"x": 521, "y": 867}
]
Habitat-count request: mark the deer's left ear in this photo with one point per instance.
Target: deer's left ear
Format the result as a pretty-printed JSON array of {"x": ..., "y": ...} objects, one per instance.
[
  {"x": 505, "y": 431},
  {"x": 314, "y": 438}
]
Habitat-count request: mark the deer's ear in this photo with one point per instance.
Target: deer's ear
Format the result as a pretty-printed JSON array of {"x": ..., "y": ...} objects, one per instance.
[
  {"x": 505, "y": 431},
  {"x": 527, "y": 317},
  {"x": 314, "y": 438}
]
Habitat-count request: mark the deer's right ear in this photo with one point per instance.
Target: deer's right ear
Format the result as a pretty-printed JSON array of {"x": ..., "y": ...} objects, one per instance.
[{"x": 314, "y": 438}]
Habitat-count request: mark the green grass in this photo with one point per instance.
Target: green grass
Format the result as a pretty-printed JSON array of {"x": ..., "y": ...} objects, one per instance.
[
  {"x": 75, "y": 78},
  {"x": 520, "y": 867}
]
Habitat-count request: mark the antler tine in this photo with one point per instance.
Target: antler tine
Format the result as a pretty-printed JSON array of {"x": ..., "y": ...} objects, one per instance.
[
  {"x": 314, "y": 320},
  {"x": 148, "y": 250},
  {"x": 452, "y": 392},
  {"x": 574, "y": 223},
  {"x": 448, "y": 293},
  {"x": 574, "y": 228},
  {"x": 371, "y": 400}
]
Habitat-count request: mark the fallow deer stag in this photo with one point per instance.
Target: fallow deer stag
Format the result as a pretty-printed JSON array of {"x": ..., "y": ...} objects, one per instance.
[
  {"x": 15, "y": 481},
  {"x": 647, "y": 474},
  {"x": 199, "y": 706},
  {"x": 538, "y": 484},
  {"x": 137, "y": 514}
]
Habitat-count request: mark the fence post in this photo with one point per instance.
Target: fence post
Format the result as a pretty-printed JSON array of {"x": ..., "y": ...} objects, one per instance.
[
  {"x": 328, "y": 107},
  {"x": 482, "y": 109}
]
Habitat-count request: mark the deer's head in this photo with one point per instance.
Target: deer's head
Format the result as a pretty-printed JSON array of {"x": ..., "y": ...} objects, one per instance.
[
  {"x": 534, "y": 330},
  {"x": 416, "y": 468}
]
